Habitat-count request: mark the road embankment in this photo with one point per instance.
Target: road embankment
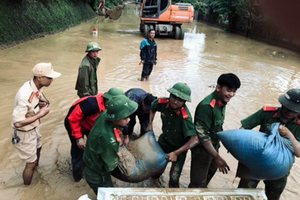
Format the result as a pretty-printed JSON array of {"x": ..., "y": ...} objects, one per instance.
[{"x": 22, "y": 20}]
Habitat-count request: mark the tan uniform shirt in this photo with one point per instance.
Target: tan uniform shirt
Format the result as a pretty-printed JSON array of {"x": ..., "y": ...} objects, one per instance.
[{"x": 26, "y": 105}]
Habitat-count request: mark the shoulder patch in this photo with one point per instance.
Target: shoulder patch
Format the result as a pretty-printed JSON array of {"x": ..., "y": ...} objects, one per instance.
[
  {"x": 270, "y": 108},
  {"x": 184, "y": 113},
  {"x": 212, "y": 103},
  {"x": 162, "y": 100},
  {"x": 31, "y": 97},
  {"x": 117, "y": 133}
]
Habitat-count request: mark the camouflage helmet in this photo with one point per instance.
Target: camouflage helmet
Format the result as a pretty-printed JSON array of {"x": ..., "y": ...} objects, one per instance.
[
  {"x": 120, "y": 107},
  {"x": 114, "y": 91},
  {"x": 92, "y": 46},
  {"x": 181, "y": 90},
  {"x": 291, "y": 100}
]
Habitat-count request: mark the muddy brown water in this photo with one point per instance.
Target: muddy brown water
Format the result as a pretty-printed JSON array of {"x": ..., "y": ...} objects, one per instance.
[{"x": 206, "y": 52}]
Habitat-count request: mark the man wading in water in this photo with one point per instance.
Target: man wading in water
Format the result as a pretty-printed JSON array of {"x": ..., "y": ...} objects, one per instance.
[
  {"x": 30, "y": 106},
  {"x": 148, "y": 54}
]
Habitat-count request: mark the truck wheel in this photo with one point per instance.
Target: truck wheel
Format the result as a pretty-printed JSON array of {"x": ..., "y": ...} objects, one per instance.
[
  {"x": 177, "y": 32},
  {"x": 146, "y": 29},
  {"x": 141, "y": 27},
  {"x": 181, "y": 34}
]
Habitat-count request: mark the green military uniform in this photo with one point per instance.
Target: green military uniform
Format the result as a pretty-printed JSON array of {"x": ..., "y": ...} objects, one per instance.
[
  {"x": 177, "y": 127},
  {"x": 209, "y": 119},
  {"x": 100, "y": 154},
  {"x": 86, "y": 84},
  {"x": 265, "y": 117}
]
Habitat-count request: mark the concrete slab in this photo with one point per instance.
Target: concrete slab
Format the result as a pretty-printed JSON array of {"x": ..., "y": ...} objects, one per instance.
[{"x": 179, "y": 194}]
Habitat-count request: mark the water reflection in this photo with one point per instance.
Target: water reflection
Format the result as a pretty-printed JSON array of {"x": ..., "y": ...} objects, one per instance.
[{"x": 194, "y": 45}]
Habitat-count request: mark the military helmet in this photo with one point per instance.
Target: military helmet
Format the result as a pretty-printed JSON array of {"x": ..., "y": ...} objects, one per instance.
[
  {"x": 92, "y": 46},
  {"x": 114, "y": 91},
  {"x": 120, "y": 107},
  {"x": 181, "y": 90},
  {"x": 291, "y": 100}
]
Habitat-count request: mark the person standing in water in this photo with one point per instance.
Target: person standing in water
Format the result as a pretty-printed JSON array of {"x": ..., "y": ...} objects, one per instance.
[
  {"x": 30, "y": 106},
  {"x": 148, "y": 54},
  {"x": 86, "y": 84}
]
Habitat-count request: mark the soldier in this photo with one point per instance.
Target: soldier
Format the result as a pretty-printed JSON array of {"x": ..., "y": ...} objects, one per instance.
[
  {"x": 30, "y": 106},
  {"x": 288, "y": 116},
  {"x": 101, "y": 154},
  {"x": 80, "y": 120},
  {"x": 209, "y": 119},
  {"x": 144, "y": 100},
  {"x": 148, "y": 54},
  {"x": 179, "y": 132},
  {"x": 86, "y": 84}
]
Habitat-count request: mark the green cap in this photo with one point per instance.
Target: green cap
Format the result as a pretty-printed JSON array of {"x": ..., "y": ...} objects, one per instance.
[
  {"x": 114, "y": 91},
  {"x": 120, "y": 107},
  {"x": 92, "y": 46},
  {"x": 291, "y": 100},
  {"x": 181, "y": 90}
]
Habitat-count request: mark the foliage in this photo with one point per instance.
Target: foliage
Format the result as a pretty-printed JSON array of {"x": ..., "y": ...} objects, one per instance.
[
  {"x": 231, "y": 13},
  {"x": 108, "y": 3},
  {"x": 26, "y": 19},
  {"x": 197, "y": 4}
]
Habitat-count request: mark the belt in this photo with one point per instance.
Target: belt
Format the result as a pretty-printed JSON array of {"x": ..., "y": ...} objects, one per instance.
[{"x": 25, "y": 131}]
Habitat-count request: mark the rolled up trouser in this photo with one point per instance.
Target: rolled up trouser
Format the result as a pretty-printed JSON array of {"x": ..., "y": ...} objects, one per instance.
[
  {"x": 95, "y": 180},
  {"x": 177, "y": 166},
  {"x": 176, "y": 170}
]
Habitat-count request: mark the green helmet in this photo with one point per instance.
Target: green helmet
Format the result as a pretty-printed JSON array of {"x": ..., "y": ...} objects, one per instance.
[
  {"x": 120, "y": 107},
  {"x": 92, "y": 46},
  {"x": 114, "y": 91},
  {"x": 291, "y": 100},
  {"x": 181, "y": 90}
]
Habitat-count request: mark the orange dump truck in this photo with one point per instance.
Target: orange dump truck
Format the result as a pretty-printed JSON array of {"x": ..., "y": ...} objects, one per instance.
[{"x": 165, "y": 18}]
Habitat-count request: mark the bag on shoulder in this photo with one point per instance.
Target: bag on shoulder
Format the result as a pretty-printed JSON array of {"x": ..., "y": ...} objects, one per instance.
[{"x": 263, "y": 156}]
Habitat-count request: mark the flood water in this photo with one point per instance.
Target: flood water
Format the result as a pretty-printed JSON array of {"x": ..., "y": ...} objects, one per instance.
[{"x": 206, "y": 52}]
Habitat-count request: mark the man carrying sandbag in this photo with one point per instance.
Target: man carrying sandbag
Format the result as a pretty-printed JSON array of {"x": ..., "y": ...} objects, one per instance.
[
  {"x": 80, "y": 120},
  {"x": 209, "y": 119},
  {"x": 288, "y": 116},
  {"x": 179, "y": 132},
  {"x": 101, "y": 154},
  {"x": 144, "y": 100}
]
